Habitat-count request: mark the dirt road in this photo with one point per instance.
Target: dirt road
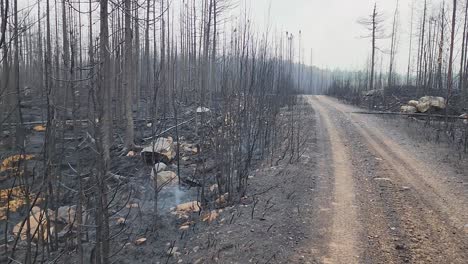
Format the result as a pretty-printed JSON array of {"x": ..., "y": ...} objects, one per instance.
[{"x": 392, "y": 202}]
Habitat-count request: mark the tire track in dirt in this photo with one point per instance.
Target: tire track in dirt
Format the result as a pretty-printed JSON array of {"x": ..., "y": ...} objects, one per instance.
[
  {"x": 345, "y": 227},
  {"x": 432, "y": 218}
]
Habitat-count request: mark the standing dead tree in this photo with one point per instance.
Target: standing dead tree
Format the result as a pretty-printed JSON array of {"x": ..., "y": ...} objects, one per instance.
[{"x": 374, "y": 24}]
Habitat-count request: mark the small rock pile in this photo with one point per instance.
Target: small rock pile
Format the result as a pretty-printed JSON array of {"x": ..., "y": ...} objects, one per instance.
[{"x": 424, "y": 104}]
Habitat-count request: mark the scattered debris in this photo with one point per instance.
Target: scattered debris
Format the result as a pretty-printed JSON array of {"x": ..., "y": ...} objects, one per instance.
[
  {"x": 374, "y": 92},
  {"x": 16, "y": 200},
  {"x": 12, "y": 162}
]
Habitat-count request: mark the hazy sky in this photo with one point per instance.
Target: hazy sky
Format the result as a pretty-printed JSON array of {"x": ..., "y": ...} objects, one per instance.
[{"x": 330, "y": 28}]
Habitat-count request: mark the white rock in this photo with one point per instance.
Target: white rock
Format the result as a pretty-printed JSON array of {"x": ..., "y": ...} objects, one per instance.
[
  {"x": 413, "y": 103},
  {"x": 202, "y": 109},
  {"x": 160, "y": 167},
  {"x": 408, "y": 109},
  {"x": 437, "y": 102},
  {"x": 165, "y": 178}
]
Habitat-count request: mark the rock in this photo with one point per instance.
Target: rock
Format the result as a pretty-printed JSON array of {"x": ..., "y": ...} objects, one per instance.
[
  {"x": 161, "y": 150},
  {"x": 39, "y": 128},
  {"x": 213, "y": 188},
  {"x": 210, "y": 216},
  {"x": 131, "y": 153},
  {"x": 190, "y": 207},
  {"x": 165, "y": 178},
  {"x": 196, "y": 249},
  {"x": 436, "y": 102},
  {"x": 190, "y": 148},
  {"x": 184, "y": 227},
  {"x": 423, "y": 107},
  {"x": 140, "y": 241},
  {"x": 37, "y": 223},
  {"x": 464, "y": 116},
  {"x": 160, "y": 167},
  {"x": 202, "y": 109},
  {"x": 408, "y": 109},
  {"x": 121, "y": 221},
  {"x": 66, "y": 214},
  {"x": 413, "y": 103}
]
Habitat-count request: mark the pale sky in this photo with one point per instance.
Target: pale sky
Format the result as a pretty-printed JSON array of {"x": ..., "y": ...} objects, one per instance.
[{"x": 330, "y": 28}]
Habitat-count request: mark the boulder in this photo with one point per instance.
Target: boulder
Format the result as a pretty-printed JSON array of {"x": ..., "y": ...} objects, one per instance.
[
  {"x": 436, "y": 102},
  {"x": 160, "y": 167},
  {"x": 37, "y": 223},
  {"x": 67, "y": 213},
  {"x": 190, "y": 207},
  {"x": 210, "y": 216},
  {"x": 413, "y": 103},
  {"x": 165, "y": 178},
  {"x": 423, "y": 107},
  {"x": 408, "y": 109},
  {"x": 161, "y": 150}
]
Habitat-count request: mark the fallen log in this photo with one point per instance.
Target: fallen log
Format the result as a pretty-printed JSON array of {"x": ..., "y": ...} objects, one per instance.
[{"x": 408, "y": 114}]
